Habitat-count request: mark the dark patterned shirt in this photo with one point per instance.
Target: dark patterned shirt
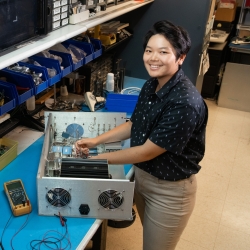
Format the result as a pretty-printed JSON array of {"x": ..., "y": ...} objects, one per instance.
[{"x": 175, "y": 119}]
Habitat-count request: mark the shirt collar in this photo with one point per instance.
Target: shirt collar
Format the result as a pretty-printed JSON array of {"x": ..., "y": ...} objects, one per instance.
[{"x": 169, "y": 85}]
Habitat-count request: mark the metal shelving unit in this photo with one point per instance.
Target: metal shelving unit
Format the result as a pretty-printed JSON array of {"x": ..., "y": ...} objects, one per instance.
[
  {"x": 11, "y": 56},
  {"x": 244, "y": 19}
]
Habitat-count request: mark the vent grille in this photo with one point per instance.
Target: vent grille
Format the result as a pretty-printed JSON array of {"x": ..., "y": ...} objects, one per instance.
[
  {"x": 111, "y": 199},
  {"x": 58, "y": 197}
]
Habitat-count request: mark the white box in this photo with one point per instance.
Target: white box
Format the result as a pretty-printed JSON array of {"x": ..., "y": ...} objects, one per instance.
[
  {"x": 56, "y": 18},
  {"x": 64, "y": 15},
  {"x": 56, "y": 25},
  {"x": 77, "y": 18},
  {"x": 64, "y": 2},
  {"x": 56, "y": 11},
  {"x": 64, "y": 21},
  {"x": 64, "y": 8},
  {"x": 56, "y": 4}
]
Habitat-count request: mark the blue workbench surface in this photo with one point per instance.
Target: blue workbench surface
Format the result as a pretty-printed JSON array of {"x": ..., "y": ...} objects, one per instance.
[{"x": 25, "y": 167}]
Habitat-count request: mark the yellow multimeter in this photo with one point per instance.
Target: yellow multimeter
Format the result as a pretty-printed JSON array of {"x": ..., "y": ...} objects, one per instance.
[{"x": 18, "y": 199}]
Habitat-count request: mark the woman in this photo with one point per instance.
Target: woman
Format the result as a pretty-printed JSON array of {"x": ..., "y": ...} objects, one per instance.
[{"x": 167, "y": 135}]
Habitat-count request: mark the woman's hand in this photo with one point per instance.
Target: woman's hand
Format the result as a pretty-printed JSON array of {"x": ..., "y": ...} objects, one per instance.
[{"x": 84, "y": 144}]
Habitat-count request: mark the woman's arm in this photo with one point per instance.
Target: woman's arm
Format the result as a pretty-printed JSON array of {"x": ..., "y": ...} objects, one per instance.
[
  {"x": 119, "y": 133},
  {"x": 142, "y": 153}
]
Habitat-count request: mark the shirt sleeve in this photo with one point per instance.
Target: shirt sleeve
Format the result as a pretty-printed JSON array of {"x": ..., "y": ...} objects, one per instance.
[
  {"x": 140, "y": 100},
  {"x": 175, "y": 127}
]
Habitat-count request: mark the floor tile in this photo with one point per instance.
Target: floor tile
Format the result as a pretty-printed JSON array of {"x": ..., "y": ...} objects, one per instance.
[
  {"x": 211, "y": 186},
  {"x": 221, "y": 146},
  {"x": 245, "y": 128},
  {"x": 201, "y": 232},
  {"x": 240, "y": 174},
  {"x": 217, "y": 167},
  {"x": 186, "y": 245},
  {"x": 238, "y": 191},
  {"x": 228, "y": 122},
  {"x": 242, "y": 154},
  {"x": 129, "y": 238},
  {"x": 231, "y": 239},
  {"x": 209, "y": 208},
  {"x": 236, "y": 216}
]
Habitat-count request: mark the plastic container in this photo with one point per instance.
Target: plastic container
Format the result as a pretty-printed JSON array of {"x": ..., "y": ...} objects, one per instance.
[
  {"x": 23, "y": 84},
  {"x": 121, "y": 102},
  {"x": 110, "y": 83},
  {"x": 10, "y": 104},
  {"x": 45, "y": 77},
  {"x": 64, "y": 91},
  {"x": 52, "y": 64},
  {"x": 97, "y": 47},
  {"x": 31, "y": 103},
  {"x": 10, "y": 154},
  {"x": 67, "y": 62},
  {"x": 86, "y": 47}
]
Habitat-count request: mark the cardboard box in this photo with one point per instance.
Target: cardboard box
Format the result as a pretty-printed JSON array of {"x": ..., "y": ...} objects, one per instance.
[
  {"x": 243, "y": 33},
  {"x": 225, "y": 14}
]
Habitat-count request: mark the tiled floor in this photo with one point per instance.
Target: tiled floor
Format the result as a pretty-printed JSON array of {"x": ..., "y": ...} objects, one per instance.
[{"x": 221, "y": 218}]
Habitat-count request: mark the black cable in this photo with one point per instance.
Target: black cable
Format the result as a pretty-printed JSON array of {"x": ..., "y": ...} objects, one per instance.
[
  {"x": 50, "y": 240},
  {"x": 1, "y": 246},
  {"x": 99, "y": 106},
  {"x": 20, "y": 229},
  {"x": 6, "y": 225}
]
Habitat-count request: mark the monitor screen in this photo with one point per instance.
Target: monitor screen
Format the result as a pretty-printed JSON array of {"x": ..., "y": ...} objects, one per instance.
[{"x": 18, "y": 21}]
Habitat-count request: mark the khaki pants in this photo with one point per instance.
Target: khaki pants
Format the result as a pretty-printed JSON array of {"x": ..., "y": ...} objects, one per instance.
[{"x": 164, "y": 208}]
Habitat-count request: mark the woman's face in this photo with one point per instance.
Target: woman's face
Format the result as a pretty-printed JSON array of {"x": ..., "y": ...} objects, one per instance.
[{"x": 160, "y": 60}]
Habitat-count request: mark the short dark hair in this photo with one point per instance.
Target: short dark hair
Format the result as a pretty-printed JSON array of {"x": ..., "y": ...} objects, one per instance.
[{"x": 176, "y": 35}]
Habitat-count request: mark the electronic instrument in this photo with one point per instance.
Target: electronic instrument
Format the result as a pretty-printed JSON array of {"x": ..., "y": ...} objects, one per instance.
[
  {"x": 77, "y": 186},
  {"x": 18, "y": 199}
]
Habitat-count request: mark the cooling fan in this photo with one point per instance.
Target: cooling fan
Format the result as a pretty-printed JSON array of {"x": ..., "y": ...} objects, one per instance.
[
  {"x": 111, "y": 199},
  {"x": 75, "y": 130},
  {"x": 58, "y": 197}
]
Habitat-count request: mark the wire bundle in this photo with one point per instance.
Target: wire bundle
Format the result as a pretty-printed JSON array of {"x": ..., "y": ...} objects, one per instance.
[{"x": 54, "y": 240}]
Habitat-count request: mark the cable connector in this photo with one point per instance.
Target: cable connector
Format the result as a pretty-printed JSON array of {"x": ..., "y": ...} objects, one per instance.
[{"x": 62, "y": 219}]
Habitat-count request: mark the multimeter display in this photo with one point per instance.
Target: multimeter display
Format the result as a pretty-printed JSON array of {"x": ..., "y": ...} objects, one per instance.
[
  {"x": 16, "y": 193},
  {"x": 18, "y": 199}
]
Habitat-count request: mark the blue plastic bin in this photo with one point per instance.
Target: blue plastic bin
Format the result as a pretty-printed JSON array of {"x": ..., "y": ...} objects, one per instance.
[
  {"x": 67, "y": 62},
  {"x": 121, "y": 102},
  {"x": 9, "y": 90},
  {"x": 97, "y": 47},
  {"x": 86, "y": 47},
  {"x": 52, "y": 64},
  {"x": 20, "y": 81},
  {"x": 45, "y": 77}
]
